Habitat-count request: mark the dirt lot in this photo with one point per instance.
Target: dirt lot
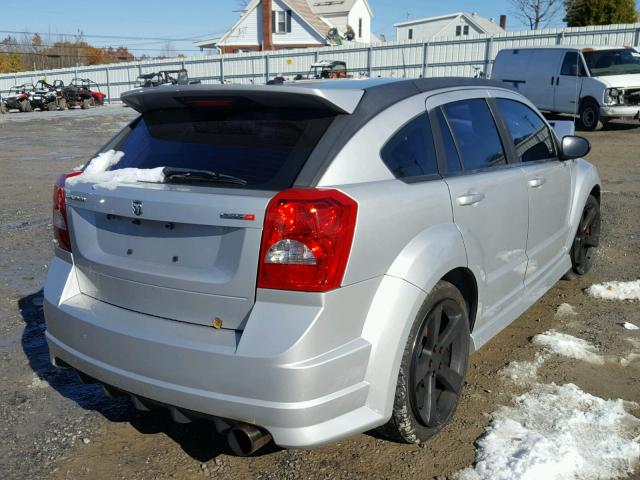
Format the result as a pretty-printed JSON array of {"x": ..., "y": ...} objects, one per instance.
[{"x": 53, "y": 427}]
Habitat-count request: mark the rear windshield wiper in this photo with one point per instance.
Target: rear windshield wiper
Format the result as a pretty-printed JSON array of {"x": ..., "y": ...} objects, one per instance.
[{"x": 174, "y": 174}]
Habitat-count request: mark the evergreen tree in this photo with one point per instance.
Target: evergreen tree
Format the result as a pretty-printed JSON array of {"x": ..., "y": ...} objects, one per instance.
[{"x": 581, "y": 13}]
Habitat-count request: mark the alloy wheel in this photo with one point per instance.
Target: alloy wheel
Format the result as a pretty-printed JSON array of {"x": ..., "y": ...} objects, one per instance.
[{"x": 438, "y": 364}]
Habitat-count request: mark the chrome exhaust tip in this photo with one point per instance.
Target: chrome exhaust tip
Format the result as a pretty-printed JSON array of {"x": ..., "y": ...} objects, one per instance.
[{"x": 245, "y": 439}]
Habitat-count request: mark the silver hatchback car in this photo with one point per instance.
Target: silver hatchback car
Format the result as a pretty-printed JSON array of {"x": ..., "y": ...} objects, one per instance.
[{"x": 310, "y": 261}]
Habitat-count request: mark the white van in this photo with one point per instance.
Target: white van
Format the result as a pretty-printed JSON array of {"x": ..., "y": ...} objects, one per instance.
[{"x": 598, "y": 84}]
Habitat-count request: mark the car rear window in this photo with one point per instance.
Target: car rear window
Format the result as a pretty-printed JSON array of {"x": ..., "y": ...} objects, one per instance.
[{"x": 265, "y": 147}]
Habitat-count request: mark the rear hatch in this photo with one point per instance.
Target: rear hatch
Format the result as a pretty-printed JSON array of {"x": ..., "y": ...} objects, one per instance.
[{"x": 187, "y": 249}]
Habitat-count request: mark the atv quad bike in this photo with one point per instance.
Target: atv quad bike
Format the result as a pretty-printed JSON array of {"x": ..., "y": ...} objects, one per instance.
[
  {"x": 328, "y": 69},
  {"x": 20, "y": 97},
  {"x": 83, "y": 93},
  {"x": 165, "y": 77},
  {"x": 51, "y": 97}
]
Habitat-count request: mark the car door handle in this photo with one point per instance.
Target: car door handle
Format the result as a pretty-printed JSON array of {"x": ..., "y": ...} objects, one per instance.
[
  {"x": 537, "y": 182},
  {"x": 470, "y": 199}
]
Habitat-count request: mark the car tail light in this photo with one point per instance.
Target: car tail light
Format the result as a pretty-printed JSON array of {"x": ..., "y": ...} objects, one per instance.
[
  {"x": 60, "y": 224},
  {"x": 306, "y": 240}
]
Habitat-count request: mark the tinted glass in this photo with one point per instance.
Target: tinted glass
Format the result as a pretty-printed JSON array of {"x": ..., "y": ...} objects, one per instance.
[
  {"x": 476, "y": 134},
  {"x": 618, "y": 61},
  {"x": 267, "y": 147},
  {"x": 410, "y": 152},
  {"x": 451, "y": 153},
  {"x": 531, "y": 135},
  {"x": 569, "y": 64}
]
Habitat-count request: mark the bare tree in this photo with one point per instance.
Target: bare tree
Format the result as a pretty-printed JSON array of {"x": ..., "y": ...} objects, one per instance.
[{"x": 536, "y": 13}]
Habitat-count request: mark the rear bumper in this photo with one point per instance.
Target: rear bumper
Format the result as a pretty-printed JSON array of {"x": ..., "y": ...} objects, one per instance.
[
  {"x": 273, "y": 378},
  {"x": 621, "y": 111}
]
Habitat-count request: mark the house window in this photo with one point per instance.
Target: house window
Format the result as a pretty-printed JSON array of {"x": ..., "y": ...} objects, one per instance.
[
  {"x": 458, "y": 31},
  {"x": 359, "y": 28},
  {"x": 465, "y": 31},
  {"x": 411, "y": 34},
  {"x": 281, "y": 21}
]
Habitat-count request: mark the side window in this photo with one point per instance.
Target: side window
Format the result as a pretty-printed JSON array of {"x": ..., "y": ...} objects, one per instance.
[
  {"x": 572, "y": 65},
  {"x": 451, "y": 152},
  {"x": 531, "y": 136},
  {"x": 476, "y": 133},
  {"x": 410, "y": 151}
]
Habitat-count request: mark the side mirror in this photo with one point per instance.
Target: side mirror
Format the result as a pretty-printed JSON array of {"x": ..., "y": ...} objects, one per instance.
[{"x": 574, "y": 147}]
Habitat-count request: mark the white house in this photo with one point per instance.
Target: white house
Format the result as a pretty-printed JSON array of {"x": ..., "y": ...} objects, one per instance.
[
  {"x": 280, "y": 24},
  {"x": 460, "y": 24}
]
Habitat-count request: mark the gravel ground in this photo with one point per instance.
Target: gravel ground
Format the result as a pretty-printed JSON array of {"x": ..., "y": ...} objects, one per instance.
[{"x": 54, "y": 427}]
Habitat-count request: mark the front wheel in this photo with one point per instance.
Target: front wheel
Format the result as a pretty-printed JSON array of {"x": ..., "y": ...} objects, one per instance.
[
  {"x": 433, "y": 367},
  {"x": 587, "y": 237},
  {"x": 590, "y": 115}
]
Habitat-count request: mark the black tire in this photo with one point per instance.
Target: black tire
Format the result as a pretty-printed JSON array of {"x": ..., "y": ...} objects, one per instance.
[
  {"x": 86, "y": 103},
  {"x": 587, "y": 237},
  {"x": 590, "y": 115},
  {"x": 431, "y": 363},
  {"x": 51, "y": 106}
]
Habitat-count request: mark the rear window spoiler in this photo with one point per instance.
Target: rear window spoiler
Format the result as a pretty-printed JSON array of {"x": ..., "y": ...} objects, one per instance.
[{"x": 339, "y": 100}]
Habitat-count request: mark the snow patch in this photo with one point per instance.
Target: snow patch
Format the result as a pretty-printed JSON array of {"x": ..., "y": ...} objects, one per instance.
[
  {"x": 97, "y": 172},
  {"x": 568, "y": 346},
  {"x": 557, "y": 433},
  {"x": 523, "y": 373},
  {"x": 565, "y": 310},
  {"x": 37, "y": 383},
  {"x": 616, "y": 290},
  {"x": 630, "y": 326}
]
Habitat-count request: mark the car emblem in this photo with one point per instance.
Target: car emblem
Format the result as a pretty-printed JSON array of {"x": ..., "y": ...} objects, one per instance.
[{"x": 136, "y": 206}]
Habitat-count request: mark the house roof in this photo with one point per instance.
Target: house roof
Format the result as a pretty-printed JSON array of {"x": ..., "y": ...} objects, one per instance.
[
  {"x": 485, "y": 24},
  {"x": 482, "y": 23},
  {"x": 302, "y": 8},
  {"x": 328, "y": 7},
  {"x": 310, "y": 11}
]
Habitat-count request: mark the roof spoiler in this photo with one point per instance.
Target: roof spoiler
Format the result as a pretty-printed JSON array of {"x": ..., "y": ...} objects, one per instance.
[{"x": 291, "y": 96}]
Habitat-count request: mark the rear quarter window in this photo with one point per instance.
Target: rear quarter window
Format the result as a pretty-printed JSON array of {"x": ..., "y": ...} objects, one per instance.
[
  {"x": 265, "y": 147},
  {"x": 410, "y": 152}
]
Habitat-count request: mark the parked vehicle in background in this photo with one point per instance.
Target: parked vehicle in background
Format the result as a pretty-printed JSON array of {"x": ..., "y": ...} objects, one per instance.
[
  {"x": 49, "y": 95},
  {"x": 19, "y": 98},
  {"x": 83, "y": 93},
  {"x": 310, "y": 272},
  {"x": 597, "y": 84},
  {"x": 326, "y": 69},
  {"x": 165, "y": 77}
]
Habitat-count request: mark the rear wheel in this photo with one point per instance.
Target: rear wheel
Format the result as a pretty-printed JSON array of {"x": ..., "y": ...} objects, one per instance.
[
  {"x": 433, "y": 367},
  {"x": 25, "y": 106},
  {"x": 590, "y": 115},
  {"x": 587, "y": 237},
  {"x": 51, "y": 106}
]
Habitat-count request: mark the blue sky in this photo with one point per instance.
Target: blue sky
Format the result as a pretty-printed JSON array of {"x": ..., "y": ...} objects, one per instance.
[{"x": 206, "y": 18}]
